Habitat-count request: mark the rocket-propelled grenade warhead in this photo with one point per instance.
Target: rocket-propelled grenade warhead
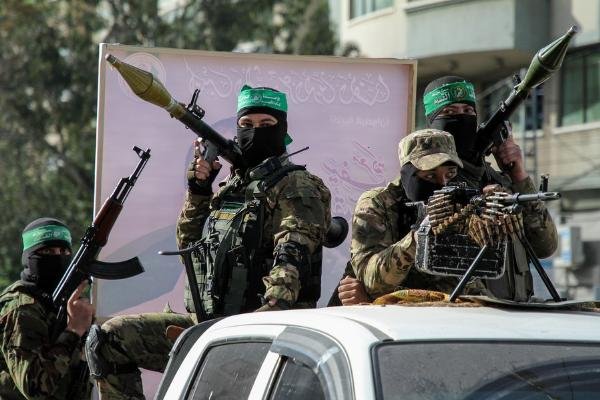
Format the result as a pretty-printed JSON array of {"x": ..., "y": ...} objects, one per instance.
[
  {"x": 147, "y": 87},
  {"x": 547, "y": 61}
]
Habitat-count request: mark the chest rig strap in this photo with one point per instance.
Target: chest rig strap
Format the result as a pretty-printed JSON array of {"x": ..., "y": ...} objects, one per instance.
[
  {"x": 234, "y": 258},
  {"x": 221, "y": 237}
]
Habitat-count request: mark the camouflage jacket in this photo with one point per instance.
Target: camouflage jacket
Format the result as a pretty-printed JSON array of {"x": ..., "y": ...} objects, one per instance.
[
  {"x": 383, "y": 249},
  {"x": 382, "y": 254},
  {"x": 30, "y": 366},
  {"x": 297, "y": 210}
]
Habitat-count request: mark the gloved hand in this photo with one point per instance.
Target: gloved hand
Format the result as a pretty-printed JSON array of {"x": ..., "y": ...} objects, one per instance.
[{"x": 200, "y": 174}]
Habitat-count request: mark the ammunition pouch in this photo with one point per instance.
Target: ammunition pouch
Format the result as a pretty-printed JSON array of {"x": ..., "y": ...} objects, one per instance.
[
  {"x": 99, "y": 367},
  {"x": 234, "y": 258}
]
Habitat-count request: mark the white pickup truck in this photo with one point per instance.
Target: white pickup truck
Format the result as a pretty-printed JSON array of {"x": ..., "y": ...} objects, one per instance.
[{"x": 392, "y": 352}]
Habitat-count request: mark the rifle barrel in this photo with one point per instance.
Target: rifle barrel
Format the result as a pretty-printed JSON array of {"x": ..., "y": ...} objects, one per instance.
[{"x": 519, "y": 198}]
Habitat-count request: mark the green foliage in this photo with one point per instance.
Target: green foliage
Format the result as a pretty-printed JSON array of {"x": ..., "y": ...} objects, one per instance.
[
  {"x": 48, "y": 87},
  {"x": 47, "y": 98},
  {"x": 305, "y": 27}
]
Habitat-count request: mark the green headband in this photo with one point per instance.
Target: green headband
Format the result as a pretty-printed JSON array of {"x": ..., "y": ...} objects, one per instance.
[
  {"x": 45, "y": 234},
  {"x": 250, "y": 97},
  {"x": 450, "y": 93}
]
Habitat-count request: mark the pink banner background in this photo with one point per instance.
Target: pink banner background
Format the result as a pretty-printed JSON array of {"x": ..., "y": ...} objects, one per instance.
[{"x": 351, "y": 112}]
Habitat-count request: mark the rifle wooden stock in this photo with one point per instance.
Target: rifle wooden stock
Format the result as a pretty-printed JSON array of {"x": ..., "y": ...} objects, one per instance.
[
  {"x": 84, "y": 264},
  {"x": 105, "y": 220}
]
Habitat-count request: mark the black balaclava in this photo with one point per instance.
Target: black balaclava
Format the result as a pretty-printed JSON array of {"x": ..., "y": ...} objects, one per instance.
[
  {"x": 416, "y": 189},
  {"x": 462, "y": 127},
  {"x": 258, "y": 144},
  {"x": 42, "y": 270}
]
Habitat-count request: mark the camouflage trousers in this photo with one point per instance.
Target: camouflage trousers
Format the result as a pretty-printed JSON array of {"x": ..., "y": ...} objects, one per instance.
[{"x": 136, "y": 339}]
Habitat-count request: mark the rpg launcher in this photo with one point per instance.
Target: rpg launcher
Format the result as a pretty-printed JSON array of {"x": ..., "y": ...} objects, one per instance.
[
  {"x": 84, "y": 264},
  {"x": 547, "y": 60},
  {"x": 147, "y": 87}
]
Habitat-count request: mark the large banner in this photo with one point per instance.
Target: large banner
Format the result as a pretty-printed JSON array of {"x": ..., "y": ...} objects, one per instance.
[{"x": 351, "y": 112}]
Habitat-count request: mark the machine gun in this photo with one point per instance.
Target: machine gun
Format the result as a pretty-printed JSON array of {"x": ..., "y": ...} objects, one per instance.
[
  {"x": 84, "y": 264},
  {"x": 546, "y": 61},
  {"x": 147, "y": 87},
  {"x": 447, "y": 252}
]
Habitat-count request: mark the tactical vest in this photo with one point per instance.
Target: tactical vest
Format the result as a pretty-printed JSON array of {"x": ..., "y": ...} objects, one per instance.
[{"x": 231, "y": 260}]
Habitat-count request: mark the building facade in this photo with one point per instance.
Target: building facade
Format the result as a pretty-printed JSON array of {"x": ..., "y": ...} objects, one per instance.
[{"x": 488, "y": 41}]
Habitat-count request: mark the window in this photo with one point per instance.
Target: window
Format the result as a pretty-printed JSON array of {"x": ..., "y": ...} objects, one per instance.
[
  {"x": 487, "y": 370},
  {"x": 297, "y": 382},
  {"x": 318, "y": 358},
  {"x": 228, "y": 371},
  {"x": 362, "y": 7},
  {"x": 580, "y": 88}
]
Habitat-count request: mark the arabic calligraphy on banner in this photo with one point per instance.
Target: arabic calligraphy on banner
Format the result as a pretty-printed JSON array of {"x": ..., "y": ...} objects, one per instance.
[
  {"x": 362, "y": 172},
  {"x": 301, "y": 86}
]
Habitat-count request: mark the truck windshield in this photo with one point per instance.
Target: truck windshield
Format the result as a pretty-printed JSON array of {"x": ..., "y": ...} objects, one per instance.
[{"x": 487, "y": 370}]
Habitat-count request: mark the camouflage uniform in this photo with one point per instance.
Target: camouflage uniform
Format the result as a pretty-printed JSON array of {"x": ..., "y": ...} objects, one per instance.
[
  {"x": 259, "y": 235},
  {"x": 297, "y": 211},
  {"x": 31, "y": 367},
  {"x": 133, "y": 342},
  {"x": 539, "y": 227},
  {"x": 383, "y": 248}
]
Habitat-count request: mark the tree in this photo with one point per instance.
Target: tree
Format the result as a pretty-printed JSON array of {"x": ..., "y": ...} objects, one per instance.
[
  {"x": 305, "y": 27},
  {"x": 48, "y": 87},
  {"x": 47, "y": 123}
]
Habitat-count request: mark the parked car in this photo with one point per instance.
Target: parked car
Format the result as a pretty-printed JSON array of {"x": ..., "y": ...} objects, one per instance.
[{"x": 390, "y": 352}]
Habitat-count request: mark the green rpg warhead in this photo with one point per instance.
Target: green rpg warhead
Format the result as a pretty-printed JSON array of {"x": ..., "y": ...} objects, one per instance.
[
  {"x": 146, "y": 86},
  {"x": 547, "y": 60}
]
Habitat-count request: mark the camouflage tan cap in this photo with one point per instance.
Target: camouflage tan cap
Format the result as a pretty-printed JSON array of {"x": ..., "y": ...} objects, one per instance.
[{"x": 427, "y": 149}]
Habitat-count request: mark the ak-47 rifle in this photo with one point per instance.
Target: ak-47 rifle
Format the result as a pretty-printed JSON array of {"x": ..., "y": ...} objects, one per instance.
[
  {"x": 147, "y": 87},
  {"x": 84, "y": 264},
  {"x": 547, "y": 60}
]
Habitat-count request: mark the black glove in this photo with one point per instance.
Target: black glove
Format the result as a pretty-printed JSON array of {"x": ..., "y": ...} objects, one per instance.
[{"x": 202, "y": 187}]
